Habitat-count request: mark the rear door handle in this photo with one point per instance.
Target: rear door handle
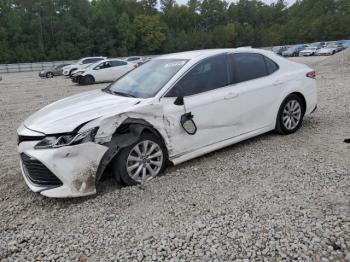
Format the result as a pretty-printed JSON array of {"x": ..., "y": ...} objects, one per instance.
[{"x": 231, "y": 95}]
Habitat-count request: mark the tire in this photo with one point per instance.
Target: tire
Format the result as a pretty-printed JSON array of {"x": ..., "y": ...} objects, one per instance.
[
  {"x": 87, "y": 80},
  {"x": 290, "y": 115},
  {"x": 127, "y": 158},
  {"x": 49, "y": 75}
]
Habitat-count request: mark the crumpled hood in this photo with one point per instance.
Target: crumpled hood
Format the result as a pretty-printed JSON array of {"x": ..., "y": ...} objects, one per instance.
[{"x": 65, "y": 115}]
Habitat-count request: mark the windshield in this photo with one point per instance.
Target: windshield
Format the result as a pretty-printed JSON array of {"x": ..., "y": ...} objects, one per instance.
[{"x": 146, "y": 80}]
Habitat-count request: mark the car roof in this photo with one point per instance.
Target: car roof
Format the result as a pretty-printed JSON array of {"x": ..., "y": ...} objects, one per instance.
[{"x": 207, "y": 53}]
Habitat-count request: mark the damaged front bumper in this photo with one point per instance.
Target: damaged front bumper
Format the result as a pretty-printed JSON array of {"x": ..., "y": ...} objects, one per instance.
[{"x": 68, "y": 171}]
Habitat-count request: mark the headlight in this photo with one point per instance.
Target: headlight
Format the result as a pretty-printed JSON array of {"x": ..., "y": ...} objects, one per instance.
[{"x": 67, "y": 140}]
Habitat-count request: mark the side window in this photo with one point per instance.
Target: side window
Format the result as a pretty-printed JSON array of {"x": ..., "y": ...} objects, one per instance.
[
  {"x": 247, "y": 66},
  {"x": 94, "y": 60},
  {"x": 87, "y": 61},
  {"x": 271, "y": 65},
  {"x": 133, "y": 58},
  {"x": 118, "y": 63},
  {"x": 207, "y": 75}
]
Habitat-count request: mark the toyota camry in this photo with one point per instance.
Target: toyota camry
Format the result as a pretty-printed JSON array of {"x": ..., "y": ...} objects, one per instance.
[{"x": 171, "y": 109}]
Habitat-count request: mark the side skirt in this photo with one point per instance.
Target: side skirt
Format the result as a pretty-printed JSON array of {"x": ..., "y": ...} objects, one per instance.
[{"x": 224, "y": 143}]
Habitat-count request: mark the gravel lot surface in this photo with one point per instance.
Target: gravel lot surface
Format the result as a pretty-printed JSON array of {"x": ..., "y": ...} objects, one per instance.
[{"x": 270, "y": 198}]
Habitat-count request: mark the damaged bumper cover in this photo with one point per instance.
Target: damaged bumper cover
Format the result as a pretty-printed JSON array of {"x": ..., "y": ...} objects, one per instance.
[
  {"x": 74, "y": 166},
  {"x": 67, "y": 171}
]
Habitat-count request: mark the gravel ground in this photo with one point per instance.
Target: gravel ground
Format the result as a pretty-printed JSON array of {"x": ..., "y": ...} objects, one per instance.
[{"x": 270, "y": 198}]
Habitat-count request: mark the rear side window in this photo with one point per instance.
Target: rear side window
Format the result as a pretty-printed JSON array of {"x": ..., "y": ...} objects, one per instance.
[
  {"x": 271, "y": 65},
  {"x": 118, "y": 63},
  {"x": 247, "y": 66},
  {"x": 209, "y": 74}
]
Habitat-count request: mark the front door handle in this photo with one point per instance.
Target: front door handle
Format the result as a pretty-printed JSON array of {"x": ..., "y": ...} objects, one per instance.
[{"x": 231, "y": 95}]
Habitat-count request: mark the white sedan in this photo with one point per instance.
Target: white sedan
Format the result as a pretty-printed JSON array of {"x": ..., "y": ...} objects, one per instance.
[
  {"x": 104, "y": 71},
  {"x": 327, "y": 50},
  {"x": 81, "y": 64},
  {"x": 309, "y": 51},
  {"x": 174, "y": 108}
]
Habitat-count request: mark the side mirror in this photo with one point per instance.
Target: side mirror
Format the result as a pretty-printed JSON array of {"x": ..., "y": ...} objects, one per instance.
[
  {"x": 188, "y": 123},
  {"x": 179, "y": 101}
]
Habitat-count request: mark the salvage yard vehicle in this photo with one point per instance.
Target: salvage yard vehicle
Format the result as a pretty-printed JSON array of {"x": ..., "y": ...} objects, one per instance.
[
  {"x": 106, "y": 71},
  {"x": 293, "y": 50},
  {"x": 81, "y": 64},
  {"x": 135, "y": 59},
  {"x": 171, "y": 109},
  {"x": 308, "y": 51},
  {"x": 53, "y": 71},
  {"x": 327, "y": 50}
]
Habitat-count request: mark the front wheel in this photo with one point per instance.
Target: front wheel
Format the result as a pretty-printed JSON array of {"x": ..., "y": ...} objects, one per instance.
[
  {"x": 87, "y": 80},
  {"x": 141, "y": 161},
  {"x": 49, "y": 75},
  {"x": 290, "y": 115}
]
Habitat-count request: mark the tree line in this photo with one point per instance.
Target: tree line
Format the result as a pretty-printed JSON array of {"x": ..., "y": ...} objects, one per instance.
[{"x": 43, "y": 30}]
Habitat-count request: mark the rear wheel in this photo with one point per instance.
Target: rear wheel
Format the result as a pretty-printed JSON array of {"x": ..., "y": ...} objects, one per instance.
[
  {"x": 141, "y": 161},
  {"x": 290, "y": 115}
]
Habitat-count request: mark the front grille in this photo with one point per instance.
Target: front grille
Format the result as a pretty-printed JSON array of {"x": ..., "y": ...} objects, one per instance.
[
  {"x": 21, "y": 139},
  {"x": 37, "y": 173}
]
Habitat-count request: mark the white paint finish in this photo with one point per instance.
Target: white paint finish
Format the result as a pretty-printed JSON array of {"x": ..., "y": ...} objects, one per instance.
[
  {"x": 108, "y": 74},
  {"x": 65, "y": 115},
  {"x": 223, "y": 116},
  {"x": 79, "y": 65}
]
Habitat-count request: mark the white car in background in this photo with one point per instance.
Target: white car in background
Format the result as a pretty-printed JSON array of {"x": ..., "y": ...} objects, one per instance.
[
  {"x": 327, "y": 50},
  {"x": 309, "y": 51},
  {"x": 135, "y": 59},
  {"x": 82, "y": 63},
  {"x": 107, "y": 70},
  {"x": 171, "y": 109}
]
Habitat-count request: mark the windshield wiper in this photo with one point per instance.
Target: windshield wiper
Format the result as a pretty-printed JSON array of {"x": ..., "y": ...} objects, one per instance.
[{"x": 121, "y": 94}]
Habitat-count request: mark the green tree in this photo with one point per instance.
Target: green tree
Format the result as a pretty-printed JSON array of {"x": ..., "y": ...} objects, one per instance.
[{"x": 150, "y": 33}]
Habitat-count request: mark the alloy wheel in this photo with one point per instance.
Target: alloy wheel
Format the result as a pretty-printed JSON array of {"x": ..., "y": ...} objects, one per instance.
[
  {"x": 291, "y": 114},
  {"x": 145, "y": 161}
]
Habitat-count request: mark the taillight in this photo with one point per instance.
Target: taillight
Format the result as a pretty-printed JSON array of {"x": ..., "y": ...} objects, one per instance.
[
  {"x": 135, "y": 66},
  {"x": 311, "y": 74}
]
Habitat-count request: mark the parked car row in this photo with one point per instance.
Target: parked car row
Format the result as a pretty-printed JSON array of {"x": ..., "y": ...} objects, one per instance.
[
  {"x": 90, "y": 70},
  {"x": 317, "y": 49}
]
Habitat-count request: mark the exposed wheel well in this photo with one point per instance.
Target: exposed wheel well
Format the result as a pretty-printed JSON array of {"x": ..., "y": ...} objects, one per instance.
[
  {"x": 129, "y": 126},
  {"x": 147, "y": 127}
]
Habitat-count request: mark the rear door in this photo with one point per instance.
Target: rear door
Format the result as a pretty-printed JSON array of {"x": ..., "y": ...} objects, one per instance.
[
  {"x": 255, "y": 78},
  {"x": 118, "y": 69}
]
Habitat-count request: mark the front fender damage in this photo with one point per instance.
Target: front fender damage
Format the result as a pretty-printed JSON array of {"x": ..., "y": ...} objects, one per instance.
[
  {"x": 116, "y": 132},
  {"x": 119, "y": 131}
]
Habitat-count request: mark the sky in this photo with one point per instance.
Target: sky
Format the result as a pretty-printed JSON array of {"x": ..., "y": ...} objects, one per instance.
[{"x": 290, "y": 2}]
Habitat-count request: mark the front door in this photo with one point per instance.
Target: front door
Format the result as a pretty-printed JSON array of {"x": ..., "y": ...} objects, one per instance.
[{"x": 212, "y": 101}]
